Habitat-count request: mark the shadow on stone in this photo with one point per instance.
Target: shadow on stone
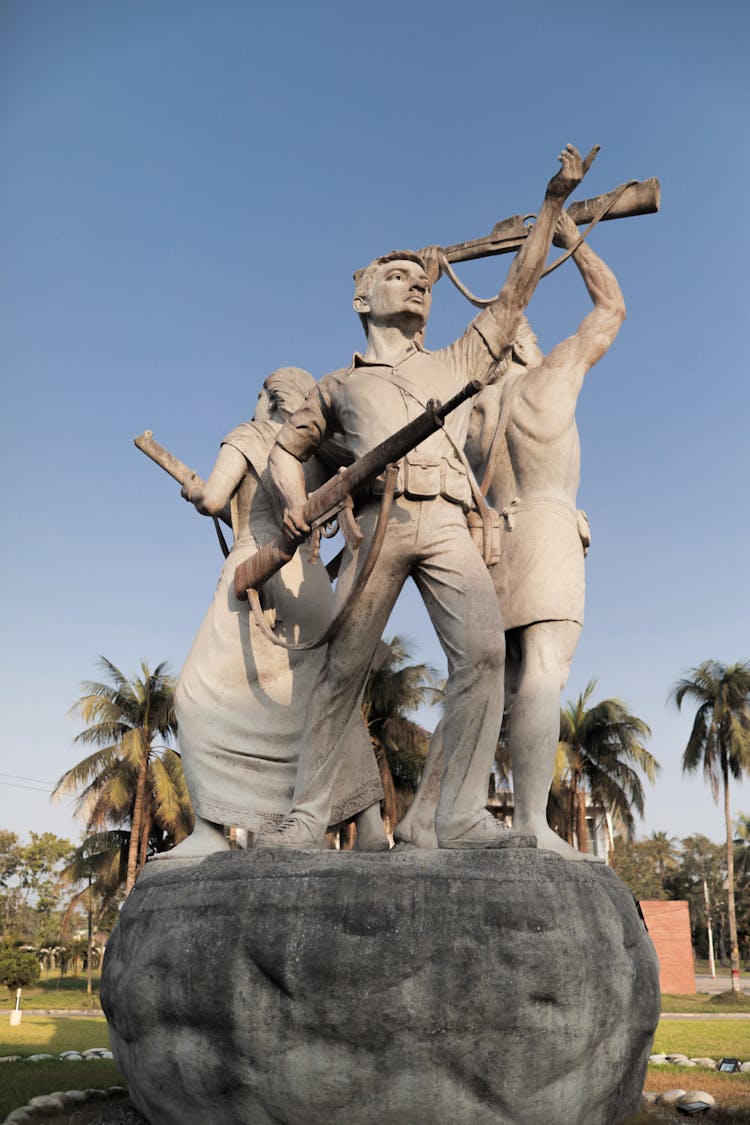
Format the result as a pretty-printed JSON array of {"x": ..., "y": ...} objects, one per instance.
[{"x": 497, "y": 988}]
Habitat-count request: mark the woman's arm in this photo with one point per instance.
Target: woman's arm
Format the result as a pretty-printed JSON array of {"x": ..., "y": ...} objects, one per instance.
[{"x": 228, "y": 471}]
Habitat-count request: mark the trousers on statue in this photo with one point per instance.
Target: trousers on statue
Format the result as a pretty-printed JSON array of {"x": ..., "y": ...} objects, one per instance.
[{"x": 427, "y": 540}]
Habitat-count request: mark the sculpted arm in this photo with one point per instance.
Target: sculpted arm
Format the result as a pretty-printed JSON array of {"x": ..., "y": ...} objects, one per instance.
[
  {"x": 228, "y": 471},
  {"x": 529, "y": 262},
  {"x": 288, "y": 477},
  {"x": 574, "y": 356}
]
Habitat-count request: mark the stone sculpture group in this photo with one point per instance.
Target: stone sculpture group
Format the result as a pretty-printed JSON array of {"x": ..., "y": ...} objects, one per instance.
[
  {"x": 470, "y": 974},
  {"x": 272, "y": 740}
]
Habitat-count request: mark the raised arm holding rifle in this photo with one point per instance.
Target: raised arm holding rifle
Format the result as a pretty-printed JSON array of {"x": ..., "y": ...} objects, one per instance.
[{"x": 427, "y": 537}]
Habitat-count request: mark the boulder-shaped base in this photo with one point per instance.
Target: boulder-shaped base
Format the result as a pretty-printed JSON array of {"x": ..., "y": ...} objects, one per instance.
[{"x": 429, "y": 988}]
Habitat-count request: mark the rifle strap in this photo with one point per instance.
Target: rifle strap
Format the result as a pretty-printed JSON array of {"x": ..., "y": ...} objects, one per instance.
[
  {"x": 391, "y": 475},
  {"x": 500, "y": 430},
  {"x": 488, "y": 515},
  {"x": 220, "y": 537},
  {"x": 410, "y": 389}
]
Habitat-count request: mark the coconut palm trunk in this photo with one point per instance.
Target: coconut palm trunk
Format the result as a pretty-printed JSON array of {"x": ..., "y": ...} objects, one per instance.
[
  {"x": 134, "y": 848},
  {"x": 734, "y": 952},
  {"x": 582, "y": 828}
]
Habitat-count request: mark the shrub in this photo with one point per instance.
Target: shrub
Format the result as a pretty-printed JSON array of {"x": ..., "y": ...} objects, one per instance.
[{"x": 18, "y": 969}]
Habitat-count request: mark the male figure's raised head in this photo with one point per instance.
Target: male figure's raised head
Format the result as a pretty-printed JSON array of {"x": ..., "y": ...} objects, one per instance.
[{"x": 394, "y": 291}]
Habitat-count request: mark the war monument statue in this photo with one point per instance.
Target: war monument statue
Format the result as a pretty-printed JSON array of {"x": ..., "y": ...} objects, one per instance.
[{"x": 472, "y": 973}]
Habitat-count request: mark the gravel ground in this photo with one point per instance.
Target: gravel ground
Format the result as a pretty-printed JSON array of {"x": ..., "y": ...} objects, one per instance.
[{"x": 124, "y": 1113}]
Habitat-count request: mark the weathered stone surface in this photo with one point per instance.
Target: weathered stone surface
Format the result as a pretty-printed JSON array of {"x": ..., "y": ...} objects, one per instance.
[
  {"x": 671, "y": 1097},
  {"x": 494, "y": 987},
  {"x": 696, "y": 1096}
]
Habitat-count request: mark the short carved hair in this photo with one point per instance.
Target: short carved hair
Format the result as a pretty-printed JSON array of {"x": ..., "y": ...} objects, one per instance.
[
  {"x": 364, "y": 278},
  {"x": 288, "y": 387},
  {"x": 524, "y": 334}
]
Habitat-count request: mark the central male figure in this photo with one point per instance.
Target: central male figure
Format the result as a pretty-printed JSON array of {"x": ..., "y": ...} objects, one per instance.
[{"x": 427, "y": 536}]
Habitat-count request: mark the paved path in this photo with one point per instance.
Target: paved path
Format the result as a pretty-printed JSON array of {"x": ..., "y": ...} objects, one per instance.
[
  {"x": 706, "y": 983},
  {"x": 65, "y": 1013},
  {"x": 705, "y": 1015}
]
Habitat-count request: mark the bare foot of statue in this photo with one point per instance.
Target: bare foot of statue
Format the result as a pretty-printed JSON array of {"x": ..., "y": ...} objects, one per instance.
[
  {"x": 205, "y": 839},
  {"x": 371, "y": 835},
  {"x": 486, "y": 832},
  {"x": 549, "y": 841},
  {"x": 410, "y": 835},
  {"x": 292, "y": 833}
]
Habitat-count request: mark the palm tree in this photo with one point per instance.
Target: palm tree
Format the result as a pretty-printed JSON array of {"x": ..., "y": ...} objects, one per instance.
[
  {"x": 601, "y": 748},
  {"x": 662, "y": 848},
  {"x": 131, "y": 780},
  {"x": 101, "y": 863},
  {"x": 719, "y": 742},
  {"x": 393, "y": 689}
]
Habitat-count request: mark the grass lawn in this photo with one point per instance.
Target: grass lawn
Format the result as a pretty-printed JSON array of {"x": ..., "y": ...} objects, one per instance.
[
  {"x": 703, "y": 1002},
  {"x": 40, "y": 1034},
  {"x": 703, "y": 1038},
  {"x": 19, "y": 1082},
  {"x": 54, "y": 991}
]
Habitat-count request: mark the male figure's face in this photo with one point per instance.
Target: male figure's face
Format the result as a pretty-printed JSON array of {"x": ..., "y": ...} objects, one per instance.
[
  {"x": 263, "y": 409},
  {"x": 400, "y": 294}
]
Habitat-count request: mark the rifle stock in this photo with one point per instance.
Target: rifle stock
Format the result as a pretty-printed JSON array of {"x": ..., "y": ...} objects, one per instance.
[{"x": 326, "y": 502}]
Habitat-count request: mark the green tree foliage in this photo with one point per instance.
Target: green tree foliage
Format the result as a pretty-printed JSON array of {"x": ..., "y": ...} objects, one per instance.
[
  {"x": 600, "y": 753},
  {"x": 634, "y": 862},
  {"x": 133, "y": 781},
  {"x": 742, "y": 883},
  {"x": 663, "y": 850},
  {"x": 719, "y": 744},
  {"x": 97, "y": 871},
  {"x": 394, "y": 688},
  {"x": 701, "y": 861},
  {"x": 18, "y": 969},
  {"x": 31, "y": 890},
  {"x": 11, "y": 897}
]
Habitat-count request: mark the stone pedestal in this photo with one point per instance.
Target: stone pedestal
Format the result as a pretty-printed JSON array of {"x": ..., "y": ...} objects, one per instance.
[{"x": 429, "y": 988}]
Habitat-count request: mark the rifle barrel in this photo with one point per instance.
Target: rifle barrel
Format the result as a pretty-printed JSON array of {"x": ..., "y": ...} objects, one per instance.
[
  {"x": 641, "y": 198},
  {"x": 177, "y": 469}
]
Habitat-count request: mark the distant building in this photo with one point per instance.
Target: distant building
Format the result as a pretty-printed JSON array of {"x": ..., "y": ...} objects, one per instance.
[
  {"x": 601, "y": 840},
  {"x": 669, "y": 929}
]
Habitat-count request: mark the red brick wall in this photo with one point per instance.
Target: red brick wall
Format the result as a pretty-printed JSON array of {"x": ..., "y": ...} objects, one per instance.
[{"x": 669, "y": 929}]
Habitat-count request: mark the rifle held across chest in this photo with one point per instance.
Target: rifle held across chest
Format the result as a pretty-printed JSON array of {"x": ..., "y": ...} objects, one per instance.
[{"x": 332, "y": 502}]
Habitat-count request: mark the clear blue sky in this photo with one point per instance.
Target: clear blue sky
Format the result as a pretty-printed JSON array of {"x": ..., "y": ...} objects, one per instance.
[{"x": 185, "y": 189}]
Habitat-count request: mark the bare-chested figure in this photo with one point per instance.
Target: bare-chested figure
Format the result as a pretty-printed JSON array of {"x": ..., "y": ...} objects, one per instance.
[{"x": 539, "y": 580}]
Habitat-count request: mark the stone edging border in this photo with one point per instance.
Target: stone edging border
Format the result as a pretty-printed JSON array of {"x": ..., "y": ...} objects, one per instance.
[
  {"x": 62, "y": 1101},
  {"x": 66, "y": 1056},
  {"x": 683, "y": 1060}
]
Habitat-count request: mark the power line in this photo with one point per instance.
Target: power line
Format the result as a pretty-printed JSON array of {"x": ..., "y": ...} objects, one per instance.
[
  {"x": 20, "y": 777},
  {"x": 33, "y": 788}
]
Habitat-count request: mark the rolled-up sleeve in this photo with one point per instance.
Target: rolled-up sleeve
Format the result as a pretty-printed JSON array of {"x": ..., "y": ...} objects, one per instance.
[
  {"x": 476, "y": 353},
  {"x": 494, "y": 338},
  {"x": 312, "y": 424}
]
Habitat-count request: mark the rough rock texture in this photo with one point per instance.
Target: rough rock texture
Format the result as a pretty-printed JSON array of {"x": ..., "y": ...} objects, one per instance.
[{"x": 434, "y": 988}]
